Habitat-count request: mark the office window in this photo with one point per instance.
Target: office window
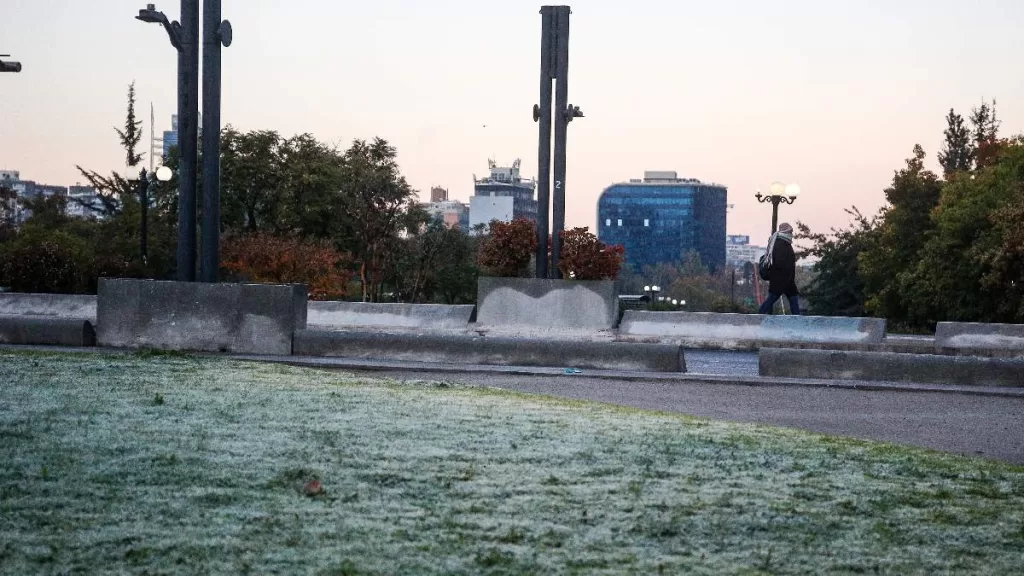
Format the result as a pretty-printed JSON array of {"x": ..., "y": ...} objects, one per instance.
[
  {"x": 647, "y": 222},
  {"x": 620, "y": 222},
  {"x": 608, "y": 222}
]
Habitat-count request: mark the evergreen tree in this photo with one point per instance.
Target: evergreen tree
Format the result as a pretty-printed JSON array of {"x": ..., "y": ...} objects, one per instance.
[
  {"x": 957, "y": 150},
  {"x": 132, "y": 133}
]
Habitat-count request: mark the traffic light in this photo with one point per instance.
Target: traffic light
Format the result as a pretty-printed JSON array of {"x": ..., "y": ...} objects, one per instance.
[{"x": 9, "y": 66}]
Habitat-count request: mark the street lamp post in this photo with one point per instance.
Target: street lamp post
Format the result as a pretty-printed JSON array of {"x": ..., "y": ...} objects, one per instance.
[
  {"x": 9, "y": 66},
  {"x": 162, "y": 174},
  {"x": 778, "y": 194},
  {"x": 184, "y": 37},
  {"x": 652, "y": 294}
]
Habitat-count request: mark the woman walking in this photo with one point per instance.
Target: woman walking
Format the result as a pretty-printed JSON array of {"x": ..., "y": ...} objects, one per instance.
[{"x": 781, "y": 263}]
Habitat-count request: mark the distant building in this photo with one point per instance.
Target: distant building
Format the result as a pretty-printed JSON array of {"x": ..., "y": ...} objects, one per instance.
[
  {"x": 662, "y": 217},
  {"x": 438, "y": 194},
  {"x": 451, "y": 213},
  {"x": 171, "y": 136},
  {"x": 739, "y": 251},
  {"x": 503, "y": 196},
  {"x": 9, "y": 176},
  {"x": 83, "y": 202}
]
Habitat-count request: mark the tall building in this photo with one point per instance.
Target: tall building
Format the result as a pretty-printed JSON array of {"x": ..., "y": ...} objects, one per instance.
[
  {"x": 662, "y": 217},
  {"x": 503, "y": 196},
  {"x": 170, "y": 138},
  {"x": 451, "y": 213}
]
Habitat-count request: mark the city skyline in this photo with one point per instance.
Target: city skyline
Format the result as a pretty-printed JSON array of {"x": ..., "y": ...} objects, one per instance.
[{"x": 831, "y": 97}]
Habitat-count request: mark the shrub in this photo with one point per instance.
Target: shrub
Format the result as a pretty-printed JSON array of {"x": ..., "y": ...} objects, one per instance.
[
  {"x": 263, "y": 257},
  {"x": 509, "y": 247},
  {"x": 46, "y": 262},
  {"x": 584, "y": 257}
]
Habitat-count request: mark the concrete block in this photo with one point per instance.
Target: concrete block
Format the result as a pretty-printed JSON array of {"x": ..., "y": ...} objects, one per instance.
[
  {"x": 341, "y": 315},
  {"x": 538, "y": 302},
  {"x": 78, "y": 306},
  {"x": 701, "y": 329},
  {"x": 980, "y": 336},
  {"x": 450, "y": 349},
  {"x": 46, "y": 331},
  {"x": 891, "y": 367},
  {"x": 241, "y": 318}
]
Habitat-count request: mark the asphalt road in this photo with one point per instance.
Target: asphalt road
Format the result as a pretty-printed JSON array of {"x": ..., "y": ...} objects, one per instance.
[{"x": 985, "y": 426}]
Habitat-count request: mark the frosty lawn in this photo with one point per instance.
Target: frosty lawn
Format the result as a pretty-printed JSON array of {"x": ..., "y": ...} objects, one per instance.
[{"x": 164, "y": 464}]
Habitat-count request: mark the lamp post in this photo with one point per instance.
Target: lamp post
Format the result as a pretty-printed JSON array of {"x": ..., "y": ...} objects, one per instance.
[
  {"x": 779, "y": 193},
  {"x": 652, "y": 294},
  {"x": 9, "y": 66},
  {"x": 162, "y": 174},
  {"x": 184, "y": 37}
]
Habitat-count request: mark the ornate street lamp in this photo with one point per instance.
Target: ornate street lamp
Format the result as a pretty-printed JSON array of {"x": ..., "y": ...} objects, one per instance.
[{"x": 778, "y": 193}]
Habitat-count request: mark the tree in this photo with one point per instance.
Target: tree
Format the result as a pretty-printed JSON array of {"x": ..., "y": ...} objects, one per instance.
[
  {"x": 957, "y": 150},
  {"x": 251, "y": 181},
  {"x": 904, "y": 227},
  {"x": 985, "y": 131},
  {"x": 113, "y": 190},
  {"x": 967, "y": 270},
  {"x": 377, "y": 199},
  {"x": 837, "y": 288}
]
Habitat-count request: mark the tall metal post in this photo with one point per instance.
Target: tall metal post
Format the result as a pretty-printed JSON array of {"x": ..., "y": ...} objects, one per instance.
[
  {"x": 542, "y": 113},
  {"x": 188, "y": 139},
  {"x": 561, "y": 129},
  {"x": 215, "y": 33},
  {"x": 144, "y": 216}
]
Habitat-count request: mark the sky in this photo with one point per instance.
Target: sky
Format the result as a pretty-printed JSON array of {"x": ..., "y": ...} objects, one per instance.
[{"x": 830, "y": 95}]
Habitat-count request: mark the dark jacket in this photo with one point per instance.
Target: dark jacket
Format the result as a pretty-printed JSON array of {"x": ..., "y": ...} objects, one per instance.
[{"x": 782, "y": 275}]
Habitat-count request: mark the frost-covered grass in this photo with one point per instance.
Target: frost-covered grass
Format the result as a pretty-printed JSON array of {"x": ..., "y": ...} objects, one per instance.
[{"x": 163, "y": 464}]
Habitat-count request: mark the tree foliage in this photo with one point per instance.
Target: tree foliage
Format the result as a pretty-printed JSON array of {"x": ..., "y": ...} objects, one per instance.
[
  {"x": 507, "y": 250},
  {"x": 957, "y": 150},
  {"x": 584, "y": 257},
  {"x": 263, "y": 257}
]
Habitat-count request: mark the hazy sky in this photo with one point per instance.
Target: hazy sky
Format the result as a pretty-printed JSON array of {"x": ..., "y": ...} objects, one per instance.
[{"x": 830, "y": 94}]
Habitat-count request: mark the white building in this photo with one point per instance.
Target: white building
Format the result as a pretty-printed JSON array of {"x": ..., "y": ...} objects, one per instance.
[{"x": 484, "y": 209}]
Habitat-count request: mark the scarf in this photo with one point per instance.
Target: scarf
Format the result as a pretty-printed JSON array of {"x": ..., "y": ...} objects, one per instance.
[{"x": 780, "y": 235}]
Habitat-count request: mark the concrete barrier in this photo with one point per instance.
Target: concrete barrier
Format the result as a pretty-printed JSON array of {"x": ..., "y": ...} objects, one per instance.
[
  {"x": 77, "y": 306},
  {"x": 241, "y": 318},
  {"x": 542, "y": 303},
  {"x": 706, "y": 329},
  {"x": 891, "y": 367},
  {"x": 980, "y": 336},
  {"x": 46, "y": 331},
  {"x": 491, "y": 351},
  {"x": 340, "y": 315}
]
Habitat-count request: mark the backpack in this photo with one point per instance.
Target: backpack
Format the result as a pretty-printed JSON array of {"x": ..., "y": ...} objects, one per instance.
[{"x": 763, "y": 269}]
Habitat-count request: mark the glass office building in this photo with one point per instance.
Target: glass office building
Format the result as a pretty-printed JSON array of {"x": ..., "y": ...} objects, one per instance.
[{"x": 662, "y": 217}]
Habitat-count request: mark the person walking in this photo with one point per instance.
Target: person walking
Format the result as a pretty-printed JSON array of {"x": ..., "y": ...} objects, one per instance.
[{"x": 781, "y": 263}]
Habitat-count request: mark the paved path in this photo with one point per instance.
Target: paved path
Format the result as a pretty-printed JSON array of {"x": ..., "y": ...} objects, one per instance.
[{"x": 989, "y": 426}]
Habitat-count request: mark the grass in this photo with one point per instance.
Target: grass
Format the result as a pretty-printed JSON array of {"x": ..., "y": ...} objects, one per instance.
[{"x": 169, "y": 464}]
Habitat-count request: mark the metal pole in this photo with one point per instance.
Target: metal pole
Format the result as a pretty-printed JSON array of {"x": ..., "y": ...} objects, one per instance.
[
  {"x": 775, "y": 213},
  {"x": 547, "y": 68},
  {"x": 209, "y": 265},
  {"x": 188, "y": 120},
  {"x": 561, "y": 129},
  {"x": 143, "y": 220}
]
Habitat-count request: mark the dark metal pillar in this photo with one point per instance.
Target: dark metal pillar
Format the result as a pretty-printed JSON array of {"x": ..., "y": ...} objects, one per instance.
[
  {"x": 215, "y": 33},
  {"x": 144, "y": 216},
  {"x": 188, "y": 139},
  {"x": 561, "y": 129},
  {"x": 542, "y": 114}
]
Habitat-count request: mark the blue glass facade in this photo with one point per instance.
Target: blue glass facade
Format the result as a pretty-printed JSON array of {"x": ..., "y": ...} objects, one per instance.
[{"x": 659, "y": 222}]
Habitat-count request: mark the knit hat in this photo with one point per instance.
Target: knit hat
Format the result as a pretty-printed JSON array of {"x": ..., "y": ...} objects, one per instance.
[{"x": 785, "y": 228}]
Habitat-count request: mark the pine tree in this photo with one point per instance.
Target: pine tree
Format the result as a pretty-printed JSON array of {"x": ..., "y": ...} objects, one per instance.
[
  {"x": 985, "y": 132},
  {"x": 957, "y": 151},
  {"x": 132, "y": 133}
]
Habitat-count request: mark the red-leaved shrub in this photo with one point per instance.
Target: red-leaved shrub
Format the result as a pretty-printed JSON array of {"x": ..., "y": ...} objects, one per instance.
[
  {"x": 508, "y": 248},
  {"x": 584, "y": 257},
  {"x": 265, "y": 258}
]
